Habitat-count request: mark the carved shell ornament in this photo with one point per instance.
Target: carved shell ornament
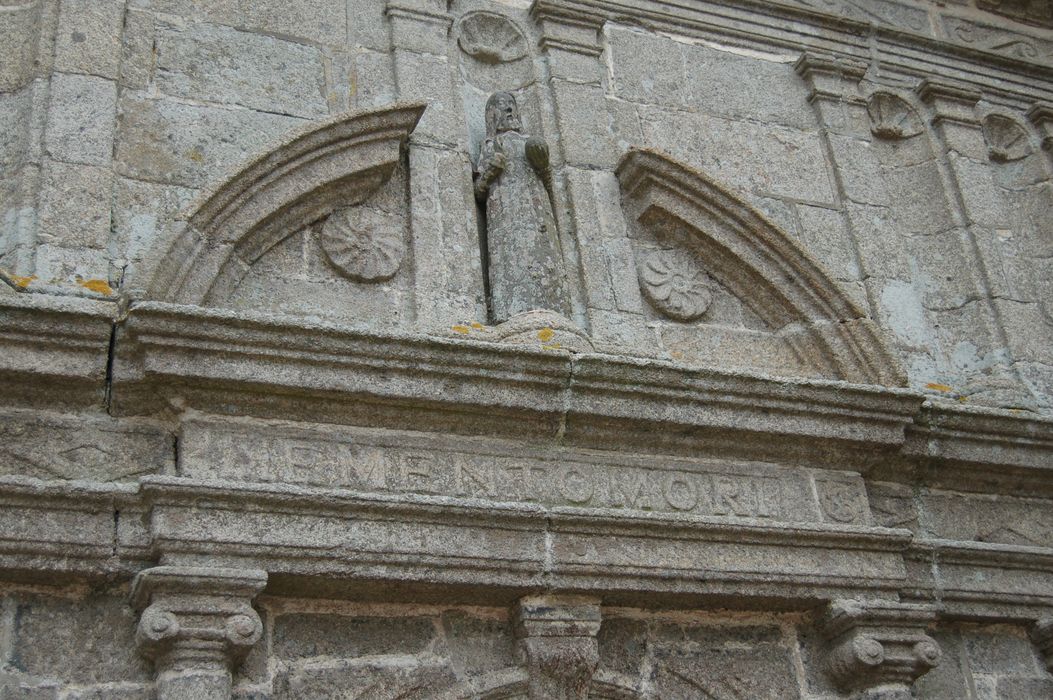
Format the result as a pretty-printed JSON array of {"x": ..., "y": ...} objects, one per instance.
[
  {"x": 365, "y": 243},
  {"x": 491, "y": 38},
  {"x": 674, "y": 283},
  {"x": 1006, "y": 140},
  {"x": 892, "y": 117}
]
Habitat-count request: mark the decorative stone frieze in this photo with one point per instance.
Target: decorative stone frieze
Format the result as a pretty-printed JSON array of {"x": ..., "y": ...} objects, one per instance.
[
  {"x": 877, "y": 650},
  {"x": 558, "y": 638},
  {"x": 196, "y": 624},
  {"x": 1042, "y": 634}
]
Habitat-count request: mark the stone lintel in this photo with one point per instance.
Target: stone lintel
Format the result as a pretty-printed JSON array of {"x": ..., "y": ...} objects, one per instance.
[
  {"x": 878, "y": 649},
  {"x": 558, "y": 638},
  {"x": 950, "y": 102},
  {"x": 196, "y": 624}
]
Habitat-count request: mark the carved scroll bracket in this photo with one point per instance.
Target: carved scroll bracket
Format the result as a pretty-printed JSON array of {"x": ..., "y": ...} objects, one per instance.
[
  {"x": 558, "y": 638},
  {"x": 196, "y": 624},
  {"x": 876, "y": 650}
]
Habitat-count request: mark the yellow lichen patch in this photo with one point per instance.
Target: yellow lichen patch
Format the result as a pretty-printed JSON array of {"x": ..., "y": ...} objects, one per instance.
[
  {"x": 463, "y": 330},
  {"x": 100, "y": 286},
  {"x": 545, "y": 334},
  {"x": 23, "y": 282},
  {"x": 478, "y": 326},
  {"x": 553, "y": 346},
  {"x": 938, "y": 387}
]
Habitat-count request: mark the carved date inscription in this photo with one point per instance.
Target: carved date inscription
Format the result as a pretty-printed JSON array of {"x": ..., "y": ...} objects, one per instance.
[{"x": 395, "y": 462}]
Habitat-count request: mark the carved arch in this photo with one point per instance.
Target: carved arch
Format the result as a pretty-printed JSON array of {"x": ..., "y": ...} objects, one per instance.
[
  {"x": 336, "y": 164},
  {"x": 761, "y": 265}
]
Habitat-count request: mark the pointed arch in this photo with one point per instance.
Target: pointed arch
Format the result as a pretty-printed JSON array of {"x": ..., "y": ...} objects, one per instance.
[
  {"x": 338, "y": 163},
  {"x": 772, "y": 275}
]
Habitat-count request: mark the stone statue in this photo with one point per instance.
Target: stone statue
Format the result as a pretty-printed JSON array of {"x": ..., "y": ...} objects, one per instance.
[{"x": 526, "y": 265}]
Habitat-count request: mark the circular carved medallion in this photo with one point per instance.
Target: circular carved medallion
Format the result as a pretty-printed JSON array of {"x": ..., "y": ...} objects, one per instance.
[
  {"x": 490, "y": 38},
  {"x": 674, "y": 283},
  {"x": 365, "y": 243}
]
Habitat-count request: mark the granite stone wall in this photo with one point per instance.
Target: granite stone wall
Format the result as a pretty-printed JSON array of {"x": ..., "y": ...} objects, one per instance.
[{"x": 786, "y": 432}]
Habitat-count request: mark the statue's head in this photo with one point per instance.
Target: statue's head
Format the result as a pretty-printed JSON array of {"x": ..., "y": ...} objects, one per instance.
[{"x": 502, "y": 114}]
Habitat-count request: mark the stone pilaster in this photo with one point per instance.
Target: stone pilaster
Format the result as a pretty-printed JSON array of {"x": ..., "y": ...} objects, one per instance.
[
  {"x": 1042, "y": 635},
  {"x": 196, "y": 624},
  {"x": 558, "y": 641},
  {"x": 876, "y": 650}
]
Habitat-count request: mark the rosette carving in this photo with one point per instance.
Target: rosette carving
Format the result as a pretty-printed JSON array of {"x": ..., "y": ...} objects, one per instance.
[
  {"x": 674, "y": 284},
  {"x": 365, "y": 243}
]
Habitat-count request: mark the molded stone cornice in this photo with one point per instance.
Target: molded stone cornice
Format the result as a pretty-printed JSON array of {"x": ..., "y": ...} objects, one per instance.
[
  {"x": 1011, "y": 64},
  {"x": 54, "y": 349},
  {"x": 878, "y": 649},
  {"x": 338, "y": 163},
  {"x": 196, "y": 624},
  {"x": 211, "y": 360}
]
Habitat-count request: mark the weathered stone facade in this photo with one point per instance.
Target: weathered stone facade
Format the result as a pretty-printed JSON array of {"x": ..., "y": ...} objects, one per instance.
[{"x": 764, "y": 411}]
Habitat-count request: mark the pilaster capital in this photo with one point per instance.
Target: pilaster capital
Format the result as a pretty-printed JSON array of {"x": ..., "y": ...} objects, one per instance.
[
  {"x": 1042, "y": 636},
  {"x": 197, "y": 617},
  {"x": 567, "y": 28},
  {"x": 558, "y": 638},
  {"x": 949, "y": 101},
  {"x": 878, "y": 649},
  {"x": 831, "y": 77}
]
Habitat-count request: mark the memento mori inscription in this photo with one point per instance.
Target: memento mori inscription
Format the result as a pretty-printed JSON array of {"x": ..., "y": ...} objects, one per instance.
[{"x": 401, "y": 462}]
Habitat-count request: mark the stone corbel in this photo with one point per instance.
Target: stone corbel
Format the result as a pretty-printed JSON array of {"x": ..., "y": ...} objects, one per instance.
[
  {"x": 1042, "y": 635},
  {"x": 876, "y": 650},
  {"x": 950, "y": 102},
  {"x": 834, "y": 78},
  {"x": 566, "y": 29},
  {"x": 196, "y": 624},
  {"x": 1041, "y": 115},
  {"x": 558, "y": 641}
]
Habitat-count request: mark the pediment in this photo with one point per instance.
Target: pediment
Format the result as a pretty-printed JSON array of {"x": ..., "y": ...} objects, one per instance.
[
  {"x": 699, "y": 249},
  {"x": 337, "y": 186}
]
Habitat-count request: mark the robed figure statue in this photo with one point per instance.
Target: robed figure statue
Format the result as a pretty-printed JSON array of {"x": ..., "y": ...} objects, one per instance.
[{"x": 526, "y": 267}]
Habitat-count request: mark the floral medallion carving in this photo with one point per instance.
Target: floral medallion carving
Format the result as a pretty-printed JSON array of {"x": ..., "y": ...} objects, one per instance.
[
  {"x": 675, "y": 284},
  {"x": 490, "y": 38},
  {"x": 892, "y": 117},
  {"x": 1006, "y": 140},
  {"x": 364, "y": 243}
]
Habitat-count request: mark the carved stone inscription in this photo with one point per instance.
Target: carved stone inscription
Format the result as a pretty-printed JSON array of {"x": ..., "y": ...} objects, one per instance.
[{"x": 397, "y": 462}]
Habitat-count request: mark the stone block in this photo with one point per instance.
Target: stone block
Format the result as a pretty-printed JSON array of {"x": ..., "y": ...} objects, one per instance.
[
  {"x": 858, "y": 164},
  {"x": 657, "y": 81},
  {"x": 478, "y": 644},
  {"x": 137, "y": 49},
  {"x": 75, "y": 205},
  {"x": 15, "y": 115},
  {"x": 1001, "y": 650},
  {"x": 952, "y": 677},
  {"x": 19, "y": 33},
  {"x": 80, "y": 641},
  {"x": 81, "y": 119},
  {"x": 987, "y": 518},
  {"x": 140, "y": 211},
  {"x": 714, "y": 79},
  {"x": 892, "y": 505},
  {"x": 259, "y": 72},
  {"x": 321, "y": 21},
  {"x": 217, "y": 11},
  {"x": 623, "y": 645},
  {"x": 824, "y": 236},
  {"x": 581, "y": 112},
  {"x": 60, "y": 264},
  {"x": 367, "y": 25},
  {"x": 173, "y": 143},
  {"x": 299, "y": 636},
  {"x": 401, "y": 677},
  {"x": 882, "y": 251},
  {"x": 1024, "y": 688},
  {"x": 373, "y": 80},
  {"x": 88, "y": 39},
  {"x": 427, "y": 77}
]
